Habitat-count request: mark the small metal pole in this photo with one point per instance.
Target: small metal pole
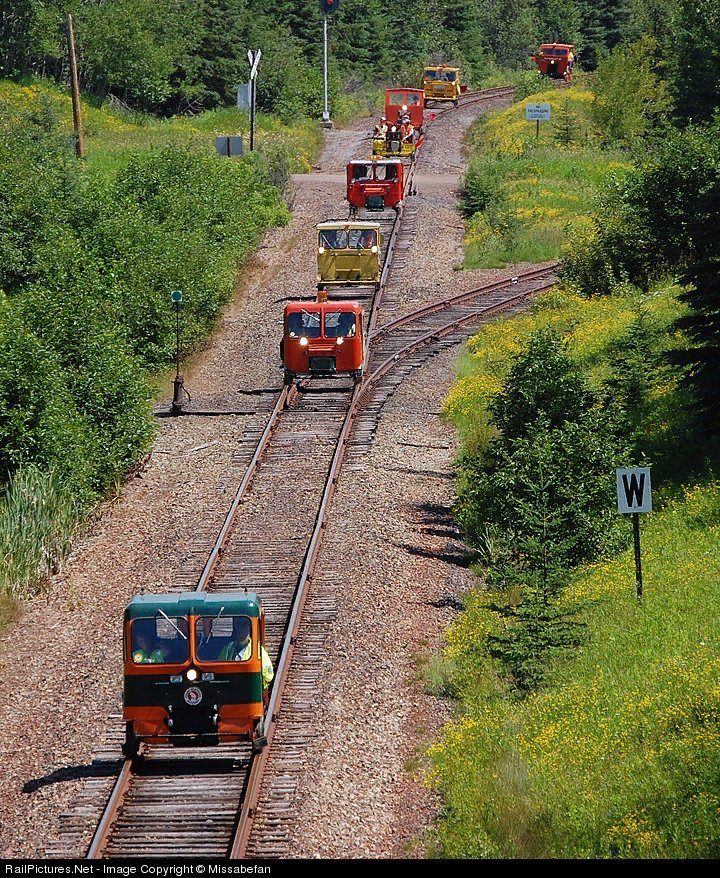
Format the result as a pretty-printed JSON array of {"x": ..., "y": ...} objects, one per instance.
[
  {"x": 75, "y": 89},
  {"x": 537, "y": 129},
  {"x": 638, "y": 563},
  {"x": 326, "y": 112},
  {"x": 178, "y": 389}
]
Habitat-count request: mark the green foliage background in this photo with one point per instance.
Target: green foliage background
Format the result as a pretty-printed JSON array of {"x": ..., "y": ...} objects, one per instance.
[
  {"x": 89, "y": 253},
  {"x": 169, "y": 56}
]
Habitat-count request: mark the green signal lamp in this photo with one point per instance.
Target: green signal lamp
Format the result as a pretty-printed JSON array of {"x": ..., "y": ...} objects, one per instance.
[{"x": 176, "y": 297}]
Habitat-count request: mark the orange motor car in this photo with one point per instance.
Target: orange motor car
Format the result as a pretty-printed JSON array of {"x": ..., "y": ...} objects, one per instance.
[{"x": 323, "y": 339}]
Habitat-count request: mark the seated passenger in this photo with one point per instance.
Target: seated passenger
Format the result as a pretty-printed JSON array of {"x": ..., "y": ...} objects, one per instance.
[
  {"x": 366, "y": 240},
  {"x": 240, "y": 648},
  {"x": 408, "y": 132},
  {"x": 362, "y": 172},
  {"x": 381, "y": 128},
  {"x": 146, "y": 646},
  {"x": 346, "y": 324}
]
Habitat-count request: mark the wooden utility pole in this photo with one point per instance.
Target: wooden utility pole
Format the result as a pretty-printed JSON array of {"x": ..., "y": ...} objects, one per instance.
[{"x": 77, "y": 118}]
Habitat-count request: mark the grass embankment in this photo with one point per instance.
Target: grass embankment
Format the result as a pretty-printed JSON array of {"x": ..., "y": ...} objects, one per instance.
[
  {"x": 112, "y": 136},
  {"x": 89, "y": 253},
  {"x": 619, "y": 755},
  {"x": 524, "y": 196},
  {"x": 616, "y": 754}
]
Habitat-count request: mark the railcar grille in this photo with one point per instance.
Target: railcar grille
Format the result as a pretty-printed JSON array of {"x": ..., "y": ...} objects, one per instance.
[{"x": 322, "y": 364}]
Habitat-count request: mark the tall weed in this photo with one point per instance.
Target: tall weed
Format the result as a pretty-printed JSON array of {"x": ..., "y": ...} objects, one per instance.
[{"x": 38, "y": 519}]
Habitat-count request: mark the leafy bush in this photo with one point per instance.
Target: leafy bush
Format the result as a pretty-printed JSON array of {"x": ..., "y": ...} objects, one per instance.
[
  {"x": 631, "y": 98},
  {"x": 481, "y": 187},
  {"x": 88, "y": 257},
  {"x": 555, "y": 456}
]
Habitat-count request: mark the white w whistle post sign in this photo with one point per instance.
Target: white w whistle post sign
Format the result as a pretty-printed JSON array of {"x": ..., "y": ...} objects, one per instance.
[{"x": 634, "y": 496}]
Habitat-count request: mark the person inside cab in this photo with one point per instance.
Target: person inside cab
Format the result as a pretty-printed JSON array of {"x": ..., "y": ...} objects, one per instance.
[
  {"x": 146, "y": 646},
  {"x": 365, "y": 240},
  {"x": 362, "y": 172},
  {"x": 346, "y": 325},
  {"x": 240, "y": 648}
]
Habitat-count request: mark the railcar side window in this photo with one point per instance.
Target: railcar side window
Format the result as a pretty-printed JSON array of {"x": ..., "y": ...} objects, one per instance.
[
  {"x": 305, "y": 323},
  {"x": 340, "y": 324},
  {"x": 223, "y": 638},
  {"x": 159, "y": 640}
]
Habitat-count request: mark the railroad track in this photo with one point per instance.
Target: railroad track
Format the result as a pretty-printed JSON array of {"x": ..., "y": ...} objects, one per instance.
[
  {"x": 207, "y": 802},
  {"x": 266, "y": 820}
]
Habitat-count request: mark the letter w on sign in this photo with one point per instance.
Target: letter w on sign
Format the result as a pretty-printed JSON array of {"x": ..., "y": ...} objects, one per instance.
[{"x": 633, "y": 489}]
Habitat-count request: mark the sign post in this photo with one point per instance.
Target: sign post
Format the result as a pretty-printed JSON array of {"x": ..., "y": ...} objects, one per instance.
[
  {"x": 634, "y": 496},
  {"x": 326, "y": 112},
  {"x": 537, "y": 113},
  {"x": 254, "y": 59}
]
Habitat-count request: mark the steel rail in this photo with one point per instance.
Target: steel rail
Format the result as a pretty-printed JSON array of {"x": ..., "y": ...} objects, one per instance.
[
  {"x": 440, "y": 332},
  {"x": 434, "y": 307},
  {"x": 254, "y": 786},
  {"x": 117, "y": 794}
]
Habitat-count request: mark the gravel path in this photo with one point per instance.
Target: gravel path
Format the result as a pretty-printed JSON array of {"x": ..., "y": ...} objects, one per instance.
[{"x": 60, "y": 665}]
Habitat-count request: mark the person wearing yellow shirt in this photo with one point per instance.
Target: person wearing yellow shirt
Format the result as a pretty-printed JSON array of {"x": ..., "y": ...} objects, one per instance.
[{"x": 240, "y": 648}]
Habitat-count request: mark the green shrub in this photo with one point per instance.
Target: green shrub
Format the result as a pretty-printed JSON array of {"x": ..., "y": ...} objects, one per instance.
[{"x": 480, "y": 189}]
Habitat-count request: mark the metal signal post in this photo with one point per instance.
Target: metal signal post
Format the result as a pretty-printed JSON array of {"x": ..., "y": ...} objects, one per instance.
[
  {"x": 176, "y": 298},
  {"x": 326, "y": 7}
]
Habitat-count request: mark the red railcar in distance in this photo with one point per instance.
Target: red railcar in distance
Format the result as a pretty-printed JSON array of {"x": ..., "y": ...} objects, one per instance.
[
  {"x": 555, "y": 60},
  {"x": 399, "y": 101},
  {"x": 375, "y": 185},
  {"x": 323, "y": 339}
]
